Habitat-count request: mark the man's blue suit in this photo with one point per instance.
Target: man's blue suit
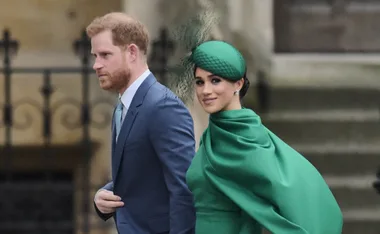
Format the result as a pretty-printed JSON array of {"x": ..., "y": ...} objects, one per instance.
[{"x": 149, "y": 162}]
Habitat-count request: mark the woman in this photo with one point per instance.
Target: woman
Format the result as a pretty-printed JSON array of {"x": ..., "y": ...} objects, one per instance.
[{"x": 243, "y": 177}]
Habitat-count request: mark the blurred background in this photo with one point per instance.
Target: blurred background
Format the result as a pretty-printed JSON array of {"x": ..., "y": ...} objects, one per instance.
[{"x": 314, "y": 66}]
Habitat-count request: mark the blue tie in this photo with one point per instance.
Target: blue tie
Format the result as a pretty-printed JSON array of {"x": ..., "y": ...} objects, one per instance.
[{"x": 118, "y": 116}]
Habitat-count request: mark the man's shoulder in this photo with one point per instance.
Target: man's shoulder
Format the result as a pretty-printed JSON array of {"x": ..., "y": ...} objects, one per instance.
[{"x": 159, "y": 93}]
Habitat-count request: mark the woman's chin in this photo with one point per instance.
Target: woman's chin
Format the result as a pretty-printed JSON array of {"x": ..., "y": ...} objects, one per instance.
[{"x": 210, "y": 109}]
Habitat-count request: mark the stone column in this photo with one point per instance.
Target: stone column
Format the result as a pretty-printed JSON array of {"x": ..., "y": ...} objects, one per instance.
[
  {"x": 145, "y": 11},
  {"x": 251, "y": 30},
  {"x": 261, "y": 22}
]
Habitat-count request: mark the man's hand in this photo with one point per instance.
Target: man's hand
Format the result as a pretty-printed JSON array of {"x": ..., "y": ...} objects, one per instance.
[{"x": 107, "y": 202}]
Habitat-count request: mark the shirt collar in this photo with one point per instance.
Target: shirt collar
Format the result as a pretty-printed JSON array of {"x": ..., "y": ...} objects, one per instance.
[{"x": 130, "y": 92}]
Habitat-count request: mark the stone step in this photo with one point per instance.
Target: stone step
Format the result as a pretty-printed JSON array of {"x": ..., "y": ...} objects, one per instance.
[
  {"x": 325, "y": 127},
  {"x": 311, "y": 98},
  {"x": 361, "y": 227},
  {"x": 327, "y": 108},
  {"x": 359, "y": 221},
  {"x": 338, "y": 114},
  {"x": 362, "y": 221},
  {"x": 342, "y": 162},
  {"x": 325, "y": 70},
  {"x": 353, "y": 192},
  {"x": 356, "y": 198}
]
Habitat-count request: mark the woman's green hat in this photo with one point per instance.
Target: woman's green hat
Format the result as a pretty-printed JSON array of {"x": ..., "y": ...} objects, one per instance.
[{"x": 219, "y": 58}]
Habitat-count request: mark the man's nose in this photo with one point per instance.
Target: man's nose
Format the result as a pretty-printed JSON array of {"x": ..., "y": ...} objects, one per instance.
[{"x": 97, "y": 65}]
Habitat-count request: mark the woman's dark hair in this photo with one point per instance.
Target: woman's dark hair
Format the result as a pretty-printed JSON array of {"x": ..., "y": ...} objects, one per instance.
[{"x": 245, "y": 87}]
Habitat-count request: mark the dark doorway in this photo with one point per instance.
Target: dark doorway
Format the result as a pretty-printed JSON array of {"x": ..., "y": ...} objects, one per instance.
[{"x": 32, "y": 205}]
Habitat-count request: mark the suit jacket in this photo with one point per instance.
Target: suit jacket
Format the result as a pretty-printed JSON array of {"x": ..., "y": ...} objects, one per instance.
[{"x": 149, "y": 161}]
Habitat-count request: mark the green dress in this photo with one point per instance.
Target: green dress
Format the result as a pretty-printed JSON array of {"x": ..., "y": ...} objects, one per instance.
[{"x": 244, "y": 177}]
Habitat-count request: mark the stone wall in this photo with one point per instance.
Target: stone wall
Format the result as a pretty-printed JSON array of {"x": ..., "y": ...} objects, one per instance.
[
  {"x": 44, "y": 25},
  {"x": 313, "y": 28}
]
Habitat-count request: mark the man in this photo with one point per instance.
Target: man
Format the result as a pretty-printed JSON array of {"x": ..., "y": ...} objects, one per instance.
[{"x": 152, "y": 135}]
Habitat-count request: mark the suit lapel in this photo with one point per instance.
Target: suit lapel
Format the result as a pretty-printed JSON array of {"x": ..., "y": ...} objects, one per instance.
[{"x": 128, "y": 123}]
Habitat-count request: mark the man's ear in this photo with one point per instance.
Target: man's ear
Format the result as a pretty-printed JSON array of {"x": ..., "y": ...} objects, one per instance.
[{"x": 133, "y": 51}]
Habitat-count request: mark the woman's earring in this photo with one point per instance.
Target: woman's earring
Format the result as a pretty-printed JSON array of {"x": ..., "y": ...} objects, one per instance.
[{"x": 236, "y": 92}]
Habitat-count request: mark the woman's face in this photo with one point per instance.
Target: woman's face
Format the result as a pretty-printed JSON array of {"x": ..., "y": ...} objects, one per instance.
[{"x": 215, "y": 93}]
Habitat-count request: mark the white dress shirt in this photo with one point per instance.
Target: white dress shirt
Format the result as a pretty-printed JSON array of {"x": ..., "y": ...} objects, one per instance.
[{"x": 130, "y": 92}]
